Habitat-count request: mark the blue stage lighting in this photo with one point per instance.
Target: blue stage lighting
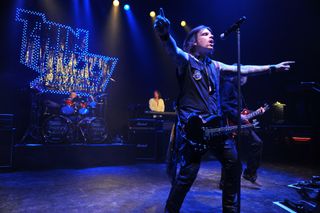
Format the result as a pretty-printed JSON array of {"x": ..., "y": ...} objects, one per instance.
[{"x": 126, "y": 7}]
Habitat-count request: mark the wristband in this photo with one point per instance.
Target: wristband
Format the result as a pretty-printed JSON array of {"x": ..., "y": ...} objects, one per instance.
[{"x": 272, "y": 68}]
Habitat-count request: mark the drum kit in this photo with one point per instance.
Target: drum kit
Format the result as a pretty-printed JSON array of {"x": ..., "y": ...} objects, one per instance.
[{"x": 76, "y": 121}]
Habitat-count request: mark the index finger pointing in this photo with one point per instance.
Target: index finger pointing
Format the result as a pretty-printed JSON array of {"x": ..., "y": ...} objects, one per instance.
[
  {"x": 290, "y": 62},
  {"x": 161, "y": 13}
]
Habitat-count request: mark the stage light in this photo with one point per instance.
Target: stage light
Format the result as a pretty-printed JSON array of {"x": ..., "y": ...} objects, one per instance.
[
  {"x": 126, "y": 7},
  {"x": 152, "y": 14},
  {"x": 301, "y": 139},
  {"x": 279, "y": 105},
  {"x": 116, "y": 3},
  {"x": 183, "y": 23},
  {"x": 278, "y": 112}
]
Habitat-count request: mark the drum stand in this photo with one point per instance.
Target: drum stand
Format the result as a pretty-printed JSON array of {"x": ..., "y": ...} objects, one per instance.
[
  {"x": 82, "y": 127},
  {"x": 33, "y": 130},
  {"x": 83, "y": 134}
]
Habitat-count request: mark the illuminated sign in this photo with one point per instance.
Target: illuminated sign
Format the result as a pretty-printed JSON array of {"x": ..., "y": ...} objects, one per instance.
[{"x": 60, "y": 55}]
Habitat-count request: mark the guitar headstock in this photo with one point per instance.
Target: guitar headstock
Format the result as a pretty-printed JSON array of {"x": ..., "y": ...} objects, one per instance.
[{"x": 266, "y": 107}]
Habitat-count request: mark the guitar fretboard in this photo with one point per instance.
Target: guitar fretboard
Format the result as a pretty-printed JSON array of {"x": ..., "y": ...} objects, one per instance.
[
  {"x": 258, "y": 112},
  {"x": 254, "y": 114},
  {"x": 211, "y": 132}
]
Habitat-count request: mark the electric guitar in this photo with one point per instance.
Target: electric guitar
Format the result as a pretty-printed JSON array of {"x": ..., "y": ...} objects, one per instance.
[
  {"x": 249, "y": 115},
  {"x": 201, "y": 132}
]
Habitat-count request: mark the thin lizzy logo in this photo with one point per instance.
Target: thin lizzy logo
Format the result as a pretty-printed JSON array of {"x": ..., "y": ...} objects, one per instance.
[{"x": 60, "y": 55}]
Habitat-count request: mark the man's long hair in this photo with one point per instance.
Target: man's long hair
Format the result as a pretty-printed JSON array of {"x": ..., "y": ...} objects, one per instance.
[{"x": 188, "y": 44}]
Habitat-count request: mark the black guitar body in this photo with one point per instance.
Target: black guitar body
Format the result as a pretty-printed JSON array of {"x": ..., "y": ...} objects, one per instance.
[
  {"x": 201, "y": 133},
  {"x": 194, "y": 130}
]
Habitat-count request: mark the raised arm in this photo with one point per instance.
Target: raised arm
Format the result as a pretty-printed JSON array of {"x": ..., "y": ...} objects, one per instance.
[
  {"x": 257, "y": 69},
  {"x": 162, "y": 28}
]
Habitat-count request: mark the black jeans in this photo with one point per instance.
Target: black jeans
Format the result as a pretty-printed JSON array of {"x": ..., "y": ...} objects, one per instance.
[
  {"x": 254, "y": 144},
  {"x": 226, "y": 152}
]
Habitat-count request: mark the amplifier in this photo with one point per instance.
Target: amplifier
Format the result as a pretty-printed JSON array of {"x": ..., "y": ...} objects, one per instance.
[
  {"x": 146, "y": 142},
  {"x": 151, "y": 137},
  {"x": 145, "y": 124},
  {"x": 6, "y": 121},
  {"x": 6, "y": 139}
]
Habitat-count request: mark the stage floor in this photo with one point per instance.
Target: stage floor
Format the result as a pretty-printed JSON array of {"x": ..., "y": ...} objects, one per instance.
[{"x": 139, "y": 188}]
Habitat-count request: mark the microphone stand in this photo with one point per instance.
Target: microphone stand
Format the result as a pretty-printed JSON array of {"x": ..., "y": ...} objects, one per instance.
[
  {"x": 239, "y": 110},
  {"x": 239, "y": 81},
  {"x": 236, "y": 27}
]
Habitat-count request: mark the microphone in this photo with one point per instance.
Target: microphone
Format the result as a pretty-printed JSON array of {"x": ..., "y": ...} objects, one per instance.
[{"x": 233, "y": 27}]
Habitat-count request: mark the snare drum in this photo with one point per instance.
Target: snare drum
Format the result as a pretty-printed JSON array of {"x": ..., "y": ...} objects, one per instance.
[{"x": 56, "y": 129}]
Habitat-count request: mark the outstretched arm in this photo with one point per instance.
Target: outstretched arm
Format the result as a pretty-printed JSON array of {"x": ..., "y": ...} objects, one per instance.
[
  {"x": 162, "y": 28},
  {"x": 257, "y": 69}
]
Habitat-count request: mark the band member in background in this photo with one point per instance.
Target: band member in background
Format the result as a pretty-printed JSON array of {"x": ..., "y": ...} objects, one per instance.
[
  {"x": 229, "y": 104},
  {"x": 70, "y": 105},
  {"x": 73, "y": 97},
  {"x": 156, "y": 103},
  {"x": 198, "y": 78}
]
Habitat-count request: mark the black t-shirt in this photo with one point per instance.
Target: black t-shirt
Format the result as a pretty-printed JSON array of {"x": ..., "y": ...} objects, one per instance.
[{"x": 199, "y": 89}]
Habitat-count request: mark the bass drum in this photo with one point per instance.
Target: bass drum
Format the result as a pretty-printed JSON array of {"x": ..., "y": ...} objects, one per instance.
[
  {"x": 56, "y": 129},
  {"x": 93, "y": 129}
]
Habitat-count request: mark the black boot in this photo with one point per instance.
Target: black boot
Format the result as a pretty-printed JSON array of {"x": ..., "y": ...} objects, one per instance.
[{"x": 252, "y": 177}]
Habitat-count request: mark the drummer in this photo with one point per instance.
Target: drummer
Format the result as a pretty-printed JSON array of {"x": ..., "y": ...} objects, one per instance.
[
  {"x": 81, "y": 105},
  {"x": 74, "y": 97},
  {"x": 70, "y": 104},
  {"x": 86, "y": 106}
]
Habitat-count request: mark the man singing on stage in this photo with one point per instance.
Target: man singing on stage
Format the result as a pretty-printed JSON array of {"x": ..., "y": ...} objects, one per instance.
[{"x": 198, "y": 78}]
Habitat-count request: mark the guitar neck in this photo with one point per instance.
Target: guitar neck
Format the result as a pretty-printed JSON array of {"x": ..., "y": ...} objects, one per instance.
[
  {"x": 254, "y": 114},
  {"x": 210, "y": 132},
  {"x": 259, "y": 111}
]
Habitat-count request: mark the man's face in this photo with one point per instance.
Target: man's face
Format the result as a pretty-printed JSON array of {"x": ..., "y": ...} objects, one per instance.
[
  {"x": 205, "y": 41},
  {"x": 73, "y": 95}
]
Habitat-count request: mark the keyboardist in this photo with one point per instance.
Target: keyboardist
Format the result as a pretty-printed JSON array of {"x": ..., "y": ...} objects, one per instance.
[{"x": 156, "y": 104}]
